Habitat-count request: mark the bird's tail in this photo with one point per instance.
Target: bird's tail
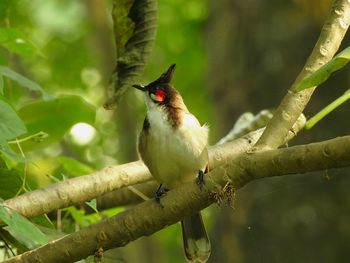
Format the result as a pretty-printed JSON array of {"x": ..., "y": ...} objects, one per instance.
[{"x": 195, "y": 238}]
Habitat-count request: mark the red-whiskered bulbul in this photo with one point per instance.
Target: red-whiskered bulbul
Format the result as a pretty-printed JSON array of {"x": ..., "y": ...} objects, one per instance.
[{"x": 173, "y": 145}]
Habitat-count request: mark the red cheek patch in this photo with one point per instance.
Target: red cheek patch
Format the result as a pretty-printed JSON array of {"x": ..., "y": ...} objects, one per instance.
[{"x": 159, "y": 95}]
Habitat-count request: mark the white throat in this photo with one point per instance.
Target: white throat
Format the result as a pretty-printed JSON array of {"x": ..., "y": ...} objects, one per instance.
[{"x": 178, "y": 153}]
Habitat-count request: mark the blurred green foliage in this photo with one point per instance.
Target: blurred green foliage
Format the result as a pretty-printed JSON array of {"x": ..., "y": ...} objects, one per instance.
[
  {"x": 56, "y": 58},
  {"x": 22, "y": 229},
  {"x": 324, "y": 72}
]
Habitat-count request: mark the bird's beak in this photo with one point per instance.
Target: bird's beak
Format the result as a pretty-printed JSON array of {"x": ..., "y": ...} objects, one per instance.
[{"x": 139, "y": 87}]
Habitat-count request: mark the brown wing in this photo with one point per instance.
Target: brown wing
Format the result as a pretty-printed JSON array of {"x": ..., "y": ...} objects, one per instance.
[
  {"x": 207, "y": 168},
  {"x": 144, "y": 150}
]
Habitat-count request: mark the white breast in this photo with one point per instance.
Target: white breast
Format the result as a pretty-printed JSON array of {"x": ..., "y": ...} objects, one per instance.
[{"x": 177, "y": 153}]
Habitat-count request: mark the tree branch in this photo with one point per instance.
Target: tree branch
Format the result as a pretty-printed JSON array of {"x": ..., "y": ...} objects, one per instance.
[
  {"x": 294, "y": 103},
  {"x": 84, "y": 188},
  {"x": 79, "y": 189},
  {"x": 221, "y": 182},
  {"x": 246, "y": 123},
  {"x": 124, "y": 196}
]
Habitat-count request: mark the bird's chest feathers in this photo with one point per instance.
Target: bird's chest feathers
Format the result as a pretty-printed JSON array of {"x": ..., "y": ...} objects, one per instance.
[
  {"x": 188, "y": 138},
  {"x": 176, "y": 151}
]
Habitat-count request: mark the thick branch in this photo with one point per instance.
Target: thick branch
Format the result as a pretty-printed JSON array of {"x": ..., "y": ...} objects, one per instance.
[
  {"x": 84, "y": 188},
  {"x": 125, "y": 196},
  {"x": 128, "y": 226},
  {"x": 87, "y": 187},
  {"x": 294, "y": 103},
  {"x": 79, "y": 189}
]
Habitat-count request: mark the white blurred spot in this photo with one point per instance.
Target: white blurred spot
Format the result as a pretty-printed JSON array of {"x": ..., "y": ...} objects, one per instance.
[
  {"x": 90, "y": 77},
  {"x": 19, "y": 41},
  {"x": 82, "y": 133}
]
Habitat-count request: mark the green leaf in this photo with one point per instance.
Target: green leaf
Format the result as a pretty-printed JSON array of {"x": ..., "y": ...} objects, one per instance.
[
  {"x": 92, "y": 204},
  {"x": 54, "y": 117},
  {"x": 5, "y": 7},
  {"x": 78, "y": 216},
  {"x": 6, "y": 236},
  {"x": 1, "y": 85},
  {"x": 113, "y": 211},
  {"x": 323, "y": 73},
  {"x": 11, "y": 126},
  {"x": 9, "y": 156},
  {"x": 21, "y": 228},
  {"x": 43, "y": 221},
  {"x": 10, "y": 182},
  {"x": 74, "y": 167},
  {"x": 328, "y": 109},
  {"x": 81, "y": 219},
  {"x": 135, "y": 25},
  {"x": 23, "y": 81},
  {"x": 51, "y": 232},
  {"x": 16, "y": 41}
]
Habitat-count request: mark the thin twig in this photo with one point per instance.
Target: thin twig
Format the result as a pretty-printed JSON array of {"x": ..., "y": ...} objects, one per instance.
[{"x": 293, "y": 103}]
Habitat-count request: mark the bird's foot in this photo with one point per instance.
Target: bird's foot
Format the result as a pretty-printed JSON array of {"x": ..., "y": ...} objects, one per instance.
[
  {"x": 200, "y": 179},
  {"x": 160, "y": 193}
]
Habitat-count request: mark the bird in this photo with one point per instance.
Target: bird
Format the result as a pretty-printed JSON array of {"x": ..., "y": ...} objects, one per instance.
[{"x": 174, "y": 147}]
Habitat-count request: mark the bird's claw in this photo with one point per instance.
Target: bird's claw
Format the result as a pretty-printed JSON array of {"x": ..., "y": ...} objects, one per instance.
[
  {"x": 160, "y": 193},
  {"x": 200, "y": 179}
]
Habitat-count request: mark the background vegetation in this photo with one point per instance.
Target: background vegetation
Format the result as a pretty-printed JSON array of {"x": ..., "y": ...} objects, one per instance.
[{"x": 56, "y": 58}]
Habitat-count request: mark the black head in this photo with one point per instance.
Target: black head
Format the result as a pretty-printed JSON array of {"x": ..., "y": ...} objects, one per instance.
[{"x": 160, "y": 90}]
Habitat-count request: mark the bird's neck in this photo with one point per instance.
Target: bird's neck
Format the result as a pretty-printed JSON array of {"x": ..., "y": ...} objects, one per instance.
[
  {"x": 162, "y": 116},
  {"x": 172, "y": 112}
]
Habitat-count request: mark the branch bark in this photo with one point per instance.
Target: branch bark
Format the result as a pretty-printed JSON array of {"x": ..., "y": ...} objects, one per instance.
[
  {"x": 124, "y": 196},
  {"x": 293, "y": 103},
  {"x": 221, "y": 182},
  {"x": 79, "y": 189},
  {"x": 84, "y": 188}
]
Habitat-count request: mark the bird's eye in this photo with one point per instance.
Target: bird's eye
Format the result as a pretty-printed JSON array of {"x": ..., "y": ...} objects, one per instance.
[{"x": 158, "y": 95}]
